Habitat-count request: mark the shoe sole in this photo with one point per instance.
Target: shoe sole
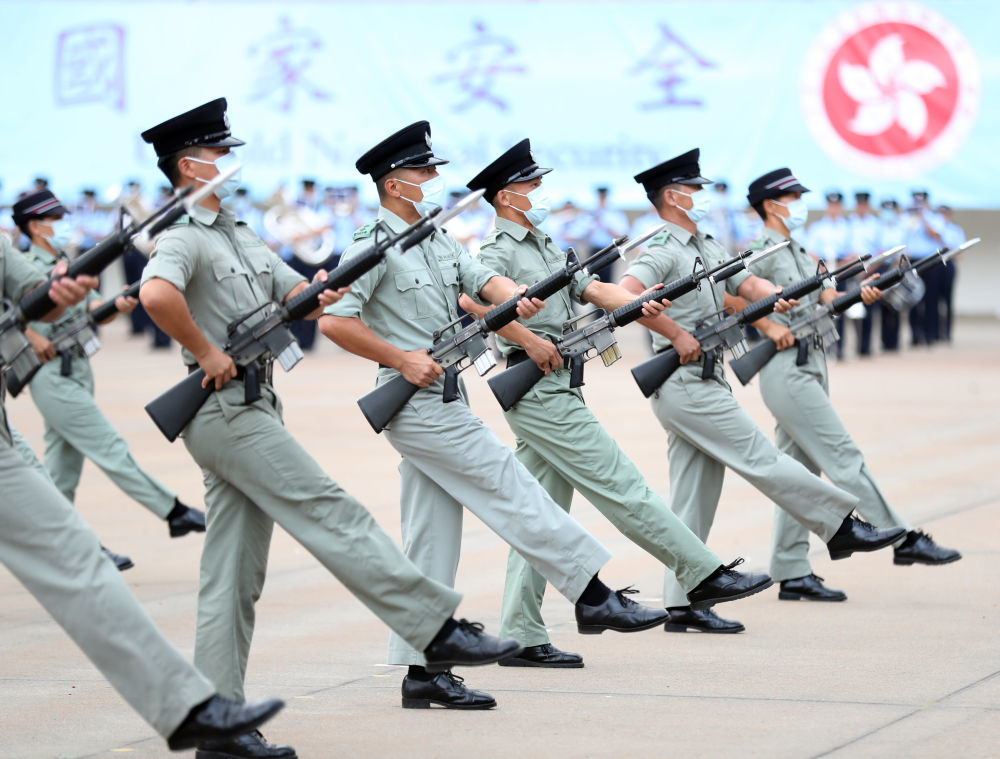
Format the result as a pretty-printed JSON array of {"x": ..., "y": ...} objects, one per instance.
[
  {"x": 784, "y": 595},
  {"x": 225, "y": 735},
  {"x": 123, "y": 567},
  {"x": 444, "y": 666},
  {"x": 426, "y": 703},
  {"x": 598, "y": 629},
  {"x": 708, "y": 603},
  {"x": 182, "y": 533},
  {"x": 907, "y": 562},
  {"x": 514, "y": 662},
  {"x": 893, "y": 537},
  {"x": 673, "y": 627},
  {"x": 206, "y": 754}
]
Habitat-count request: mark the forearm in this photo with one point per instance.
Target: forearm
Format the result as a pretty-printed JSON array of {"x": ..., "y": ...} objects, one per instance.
[
  {"x": 755, "y": 288},
  {"x": 166, "y": 306},
  {"x": 354, "y": 336},
  {"x": 498, "y": 289}
]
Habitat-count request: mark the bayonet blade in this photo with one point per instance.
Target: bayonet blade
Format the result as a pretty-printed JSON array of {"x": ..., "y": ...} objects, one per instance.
[{"x": 465, "y": 203}]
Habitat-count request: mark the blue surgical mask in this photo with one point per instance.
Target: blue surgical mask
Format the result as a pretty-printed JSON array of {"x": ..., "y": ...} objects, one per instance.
[
  {"x": 539, "y": 211},
  {"x": 62, "y": 234},
  {"x": 798, "y": 211},
  {"x": 433, "y": 194},
  {"x": 700, "y": 203},
  {"x": 223, "y": 163}
]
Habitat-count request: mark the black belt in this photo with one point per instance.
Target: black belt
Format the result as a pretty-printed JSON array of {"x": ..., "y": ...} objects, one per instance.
[
  {"x": 266, "y": 370},
  {"x": 516, "y": 357}
]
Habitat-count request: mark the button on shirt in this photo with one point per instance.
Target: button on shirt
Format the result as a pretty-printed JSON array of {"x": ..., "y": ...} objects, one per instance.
[
  {"x": 671, "y": 255},
  {"x": 529, "y": 256},
  {"x": 408, "y": 296},
  {"x": 223, "y": 268}
]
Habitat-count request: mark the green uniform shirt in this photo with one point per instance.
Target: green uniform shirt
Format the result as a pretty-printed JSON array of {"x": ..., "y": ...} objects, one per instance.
[
  {"x": 409, "y": 295},
  {"x": 43, "y": 261},
  {"x": 223, "y": 268},
  {"x": 784, "y": 268},
  {"x": 528, "y": 257},
  {"x": 671, "y": 255}
]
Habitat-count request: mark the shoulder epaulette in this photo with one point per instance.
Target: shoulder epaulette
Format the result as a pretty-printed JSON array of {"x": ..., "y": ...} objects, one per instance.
[
  {"x": 659, "y": 239},
  {"x": 366, "y": 231}
]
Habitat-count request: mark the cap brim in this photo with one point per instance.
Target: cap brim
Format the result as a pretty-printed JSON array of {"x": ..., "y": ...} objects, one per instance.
[
  {"x": 419, "y": 164},
  {"x": 796, "y": 188},
  {"x": 537, "y": 173},
  {"x": 694, "y": 181},
  {"x": 225, "y": 142}
]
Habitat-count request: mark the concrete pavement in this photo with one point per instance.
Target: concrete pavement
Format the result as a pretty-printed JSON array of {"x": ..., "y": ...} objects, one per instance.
[{"x": 908, "y": 666}]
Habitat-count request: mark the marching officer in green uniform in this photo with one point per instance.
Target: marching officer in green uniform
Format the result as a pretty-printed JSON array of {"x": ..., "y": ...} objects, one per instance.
[
  {"x": 48, "y": 547},
  {"x": 451, "y": 459},
  {"x": 559, "y": 440},
  {"x": 808, "y": 428},
  {"x": 207, "y": 271},
  {"x": 63, "y": 391},
  {"x": 707, "y": 430}
]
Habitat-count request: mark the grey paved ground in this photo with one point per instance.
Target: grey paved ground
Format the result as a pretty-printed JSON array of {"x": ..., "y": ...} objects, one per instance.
[{"x": 909, "y": 666}]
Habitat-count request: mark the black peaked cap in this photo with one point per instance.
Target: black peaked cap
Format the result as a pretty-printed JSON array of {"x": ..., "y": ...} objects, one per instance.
[
  {"x": 37, "y": 205},
  {"x": 206, "y": 126},
  {"x": 682, "y": 169},
  {"x": 774, "y": 184},
  {"x": 409, "y": 148},
  {"x": 516, "y": 165}
]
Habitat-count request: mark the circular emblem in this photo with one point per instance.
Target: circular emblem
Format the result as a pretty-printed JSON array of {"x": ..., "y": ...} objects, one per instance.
[{"x": 890, "y": 89}]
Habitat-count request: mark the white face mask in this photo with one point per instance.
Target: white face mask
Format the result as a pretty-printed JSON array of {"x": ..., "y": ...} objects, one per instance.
[
  {"x": 701, "y": 201},
  {"x": 433, "y": 194},
  {"x": 540, "y": 202},
  {"x": 223, "y": 163},
  {"x": 62, "y": 233},
  {"x": 798, "y": 211}
]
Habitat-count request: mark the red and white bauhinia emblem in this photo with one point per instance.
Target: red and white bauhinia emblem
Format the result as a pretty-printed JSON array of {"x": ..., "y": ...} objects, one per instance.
[{"x": 890, "y": 89}]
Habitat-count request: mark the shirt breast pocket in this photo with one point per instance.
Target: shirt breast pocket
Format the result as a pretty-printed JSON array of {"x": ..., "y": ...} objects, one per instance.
[
  {"x": 259, "y": 257},
  {"x": 227, "y": 276},
  {"x": 416, "y": 293}
]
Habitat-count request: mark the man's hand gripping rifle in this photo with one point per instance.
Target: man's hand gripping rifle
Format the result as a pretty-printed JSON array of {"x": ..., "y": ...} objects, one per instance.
[
  {"x": 818, "y": 329},
  {"x": 468, "y": 347},
  {"x": 727, "y": 333},
  {"x": 579, "y": 345},
  {"x": 17, "y": 358},
  {"x": 263, "y": 335}
]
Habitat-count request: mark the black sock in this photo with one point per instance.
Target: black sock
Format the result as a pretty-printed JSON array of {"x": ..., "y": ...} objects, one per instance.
[
  {"x": 595, "y": 593},
  {"x": 178, "y": 510},
  {"x": 449, "y": 625},
  {"x": 416, "y": 672}
]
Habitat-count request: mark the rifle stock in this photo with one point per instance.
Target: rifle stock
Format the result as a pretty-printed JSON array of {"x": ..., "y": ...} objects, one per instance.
[
  {"x": 511, "y": 385},
  {"x": 383, "y": 403},
  {"x": 174, "y": 409},
  {"x": 652, "y": 373},
  {"x": 746, "y": 366}
]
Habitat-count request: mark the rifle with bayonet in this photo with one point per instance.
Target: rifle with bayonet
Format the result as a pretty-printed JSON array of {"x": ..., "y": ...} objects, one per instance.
[
  {"x": 817, "y": 328},
  {"x": 468, "y": 347},
  {"x": 263, "y": 334},
  {"x": 580, "y": 344},
  {"x": 16, "y": 353},
  {"x": 727, "y": 333}
]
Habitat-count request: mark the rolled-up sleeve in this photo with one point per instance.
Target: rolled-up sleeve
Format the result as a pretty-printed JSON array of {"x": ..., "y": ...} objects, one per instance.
[
  {"x": 173, "y": 260},
  {"x": 362, "y": 288}
]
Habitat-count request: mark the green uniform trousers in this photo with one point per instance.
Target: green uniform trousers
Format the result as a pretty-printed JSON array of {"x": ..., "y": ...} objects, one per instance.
[
  {"x": 76, "y": 429},
  {"x": 256, "y": 474},
  {"x": 707, "y": 431},
  {"x": 452, "y": 459},
  {"x": 809, "y": 430},
  {"x": 25, "y": 452},
  {"x": 561, "y": 443},
  {"x": 57, "y": 557}
]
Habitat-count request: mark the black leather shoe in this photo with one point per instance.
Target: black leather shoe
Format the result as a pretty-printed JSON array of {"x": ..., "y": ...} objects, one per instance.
[
  {"x": 190, "y": 520},
  {"x": 858, "y": 535},
  {"x": 920, "y": 548},
  {"x": 249, "y": 746},
  {"x": 811, "y": 588},
  {"x": 221, "y": 719},
  {"x": 617, "y": 613},
  {"x": 703, "y": 620},
  {"x": 545, "y": 655},
  {"x": 120, "y": 560},
  {"x": 467, "y": 645},
  {"x": 445, "y": 690},
  {"x": 726, "y": 584}
]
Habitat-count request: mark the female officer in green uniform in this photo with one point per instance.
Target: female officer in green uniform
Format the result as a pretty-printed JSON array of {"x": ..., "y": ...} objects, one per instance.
[
  {"x": 808, "y": 428},
  {"x": 63, "y": 391}
]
